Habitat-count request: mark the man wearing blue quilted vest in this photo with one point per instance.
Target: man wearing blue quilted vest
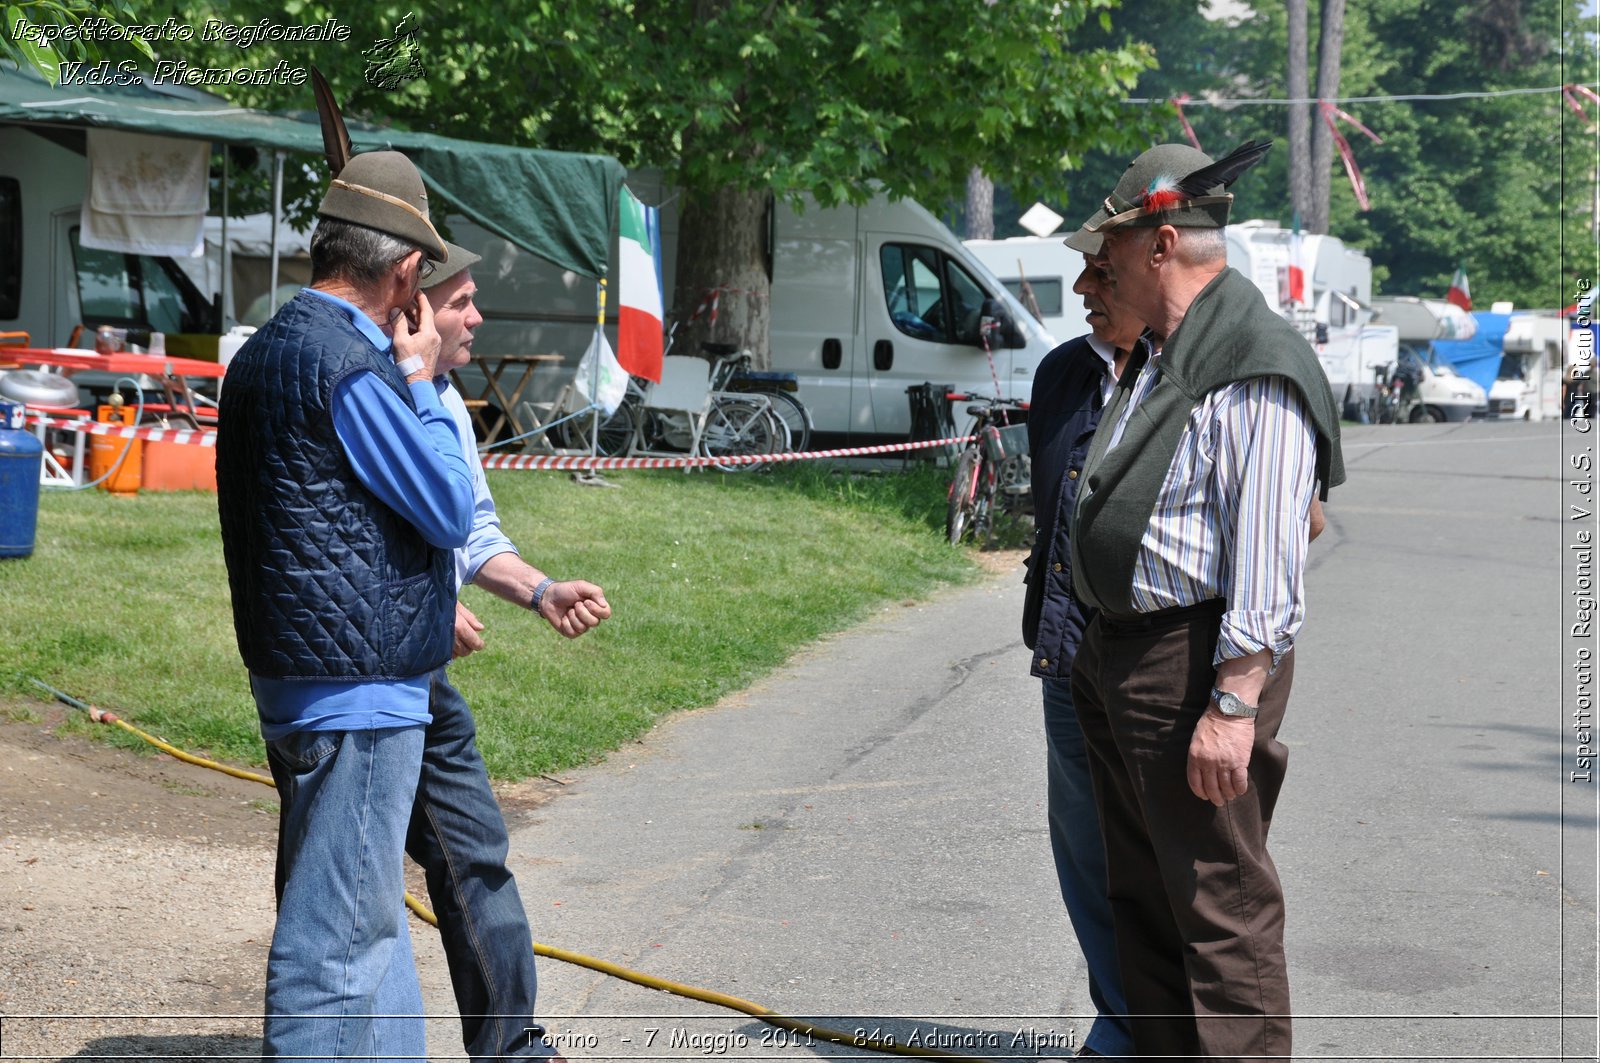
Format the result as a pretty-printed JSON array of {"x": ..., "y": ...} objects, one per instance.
[{"x": 343, "y": 490}]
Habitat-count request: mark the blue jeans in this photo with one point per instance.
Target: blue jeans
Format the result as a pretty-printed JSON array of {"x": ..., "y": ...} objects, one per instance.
[
  {"x": 341, "y": 980},
  {"x": 1081, "y": 868},
  {"x": 458, "y": 837}
]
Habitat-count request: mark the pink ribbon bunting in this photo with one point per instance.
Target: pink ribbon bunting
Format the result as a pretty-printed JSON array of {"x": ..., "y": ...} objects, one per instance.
[
  {"x": 1329, "y": 115},
  {"x": 1178, "y": 102}
]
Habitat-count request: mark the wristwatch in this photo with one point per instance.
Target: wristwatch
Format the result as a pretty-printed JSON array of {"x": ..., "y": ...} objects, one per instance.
[
  {"x": 538, "y": 593},
  {"x": 1232, "y": 705}
]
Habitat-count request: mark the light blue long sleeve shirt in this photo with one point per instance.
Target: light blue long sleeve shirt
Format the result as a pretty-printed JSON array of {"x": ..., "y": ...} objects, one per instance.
[
  {"x": 414, "y": 464},
  {"x": 486, "y": 539}
]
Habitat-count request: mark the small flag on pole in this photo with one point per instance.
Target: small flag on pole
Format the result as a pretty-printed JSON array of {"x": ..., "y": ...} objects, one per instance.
[
  {"x": 599, "y": 378},
  {"x": 1459, "y": 293},
  {"x": 1293, "y": 291},
  {"x": 639, "y": 312}
]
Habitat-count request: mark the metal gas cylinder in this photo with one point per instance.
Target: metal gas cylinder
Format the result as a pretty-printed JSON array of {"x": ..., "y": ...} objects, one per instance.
[{"x": 21, "y": 461}]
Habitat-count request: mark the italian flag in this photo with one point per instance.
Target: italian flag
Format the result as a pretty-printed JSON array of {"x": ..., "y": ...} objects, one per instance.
[
  {"x": 638, "y": 289},
  {"x": 1459, "y": 293}
]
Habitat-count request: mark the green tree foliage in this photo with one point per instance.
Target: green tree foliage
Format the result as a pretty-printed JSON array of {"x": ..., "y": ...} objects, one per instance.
[
  {"x": 798, "y": 97},
  {"x": 43, "y": 34},
  {"x": 1504, "y": 185},
  {"x": 739, "y": 100}
]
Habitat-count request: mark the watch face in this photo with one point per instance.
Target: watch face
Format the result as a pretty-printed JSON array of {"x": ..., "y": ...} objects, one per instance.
[{"x": 1233, "y": 705}]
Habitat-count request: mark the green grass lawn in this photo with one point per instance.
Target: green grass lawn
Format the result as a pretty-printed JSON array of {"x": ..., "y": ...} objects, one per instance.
[{"x": 713, "y": 580}]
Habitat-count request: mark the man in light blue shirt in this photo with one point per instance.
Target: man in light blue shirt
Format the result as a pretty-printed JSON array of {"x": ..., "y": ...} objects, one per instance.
[{"x": 457, "y": 833}]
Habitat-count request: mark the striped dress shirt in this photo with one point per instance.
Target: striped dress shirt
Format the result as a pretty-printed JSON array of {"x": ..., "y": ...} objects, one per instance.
[{"x": 1233, "y": 516}]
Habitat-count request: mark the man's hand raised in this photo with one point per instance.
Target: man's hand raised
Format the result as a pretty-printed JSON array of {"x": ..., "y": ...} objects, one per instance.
[{"x": 421, "y": 342}]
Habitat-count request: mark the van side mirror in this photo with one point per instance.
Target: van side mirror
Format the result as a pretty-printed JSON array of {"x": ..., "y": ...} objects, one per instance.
[{"x": 1004, "y": 327}]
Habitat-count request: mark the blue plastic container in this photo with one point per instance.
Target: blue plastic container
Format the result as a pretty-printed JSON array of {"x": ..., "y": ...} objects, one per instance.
[{"x": 21, "y": 462}]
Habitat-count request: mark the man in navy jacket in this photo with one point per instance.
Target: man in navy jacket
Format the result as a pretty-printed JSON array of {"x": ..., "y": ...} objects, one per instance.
[{"x": 1069, "y": 391}]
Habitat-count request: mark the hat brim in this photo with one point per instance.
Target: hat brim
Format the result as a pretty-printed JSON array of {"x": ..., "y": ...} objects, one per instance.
[
  {"x": 459, "y": 260},
  {"x": 1086, "y": 242},
  {"x": 358, "y": 209}
]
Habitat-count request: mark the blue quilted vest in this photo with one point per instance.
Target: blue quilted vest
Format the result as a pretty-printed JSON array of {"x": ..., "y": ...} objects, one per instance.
[{"x": 328, "y": 582}]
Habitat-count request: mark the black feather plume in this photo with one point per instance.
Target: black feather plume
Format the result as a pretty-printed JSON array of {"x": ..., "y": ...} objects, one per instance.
[
  {"x": 335, "y": 138},
  {"x": 1225, "y": 170}
]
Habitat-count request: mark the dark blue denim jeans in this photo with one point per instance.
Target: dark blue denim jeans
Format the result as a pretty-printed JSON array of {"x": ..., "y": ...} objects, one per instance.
[
  {"x": 1081, "y": 867},
  {"x": 458, "y": 837}
]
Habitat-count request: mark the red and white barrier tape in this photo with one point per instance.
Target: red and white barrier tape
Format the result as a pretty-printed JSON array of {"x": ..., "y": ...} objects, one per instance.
[
  {"x": 208, "y": 438},
  {"x": 553, "y": 461},
  {"x": 202, "y": 437}
]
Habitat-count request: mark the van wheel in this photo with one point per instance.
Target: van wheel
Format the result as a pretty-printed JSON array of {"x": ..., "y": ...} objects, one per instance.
[{"x": 1426, "y": 415}]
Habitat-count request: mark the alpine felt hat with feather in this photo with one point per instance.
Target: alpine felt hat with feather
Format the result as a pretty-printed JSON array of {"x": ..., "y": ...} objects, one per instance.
[
  {"x": 1171, "y": 184},
  {"x": 379, "y": 189}
]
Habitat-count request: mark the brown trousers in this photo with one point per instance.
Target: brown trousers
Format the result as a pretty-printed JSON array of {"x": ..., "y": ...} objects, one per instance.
[{"x": 1195, "y": 898}]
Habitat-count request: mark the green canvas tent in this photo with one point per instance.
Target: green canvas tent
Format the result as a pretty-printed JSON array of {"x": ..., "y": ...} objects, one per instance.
[{"x": 558, "y": 205}]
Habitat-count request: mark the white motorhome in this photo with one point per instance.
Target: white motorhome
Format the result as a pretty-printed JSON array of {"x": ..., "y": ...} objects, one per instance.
[
  {"x": 1528, "y": 386},
  {"x": 50, "y": 284},
  {"x": 1048, "y": 268},
  {"x": 1443, "y": 394},
  {"x": 1331, "y": 305}
]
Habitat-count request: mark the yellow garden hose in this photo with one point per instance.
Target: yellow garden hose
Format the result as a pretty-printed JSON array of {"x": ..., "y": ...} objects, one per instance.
[{"x": 615, "y": 970}]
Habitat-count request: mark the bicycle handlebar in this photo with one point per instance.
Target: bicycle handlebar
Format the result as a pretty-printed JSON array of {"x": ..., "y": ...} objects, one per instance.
[{"x": 957, "y": 396}]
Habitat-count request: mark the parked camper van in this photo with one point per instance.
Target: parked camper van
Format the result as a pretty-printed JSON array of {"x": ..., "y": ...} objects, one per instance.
[
  {"x": 1528, "y": 386},
  {"x": 1443, "y": 393},
  {"x": 50, "y": 284},
  {"x": 1331, "y": 308}
]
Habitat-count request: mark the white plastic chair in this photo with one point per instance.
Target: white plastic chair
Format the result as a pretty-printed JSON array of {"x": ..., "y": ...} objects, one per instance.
[{"x": 685, "y": 388}]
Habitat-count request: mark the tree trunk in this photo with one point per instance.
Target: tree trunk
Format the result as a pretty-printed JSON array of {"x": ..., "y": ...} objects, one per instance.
[
  {"x": 1299, "y": 113},
  {"x": 980, "y": 206},
  {"x": 722, "y": 259},
  {"x": 1328, "y": 60}
]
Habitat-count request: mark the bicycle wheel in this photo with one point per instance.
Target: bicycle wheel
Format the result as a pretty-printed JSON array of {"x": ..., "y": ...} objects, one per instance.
[
  {"x": 739, "y": 427},
  {"x": 795, "y": 417},
  {"x": 616, "y": 431},
  {"x": 958, "y": 520}
]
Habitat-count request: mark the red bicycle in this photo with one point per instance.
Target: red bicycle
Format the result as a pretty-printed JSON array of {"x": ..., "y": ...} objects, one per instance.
[{"x": 992, "y": 472}]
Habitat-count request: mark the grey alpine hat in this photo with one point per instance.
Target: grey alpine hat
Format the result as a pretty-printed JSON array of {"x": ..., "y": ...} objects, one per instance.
[
  {"x": 382, "y": 190},
  {"x": 460, "y": 259},
  {"x": 1173, "y": 184}
]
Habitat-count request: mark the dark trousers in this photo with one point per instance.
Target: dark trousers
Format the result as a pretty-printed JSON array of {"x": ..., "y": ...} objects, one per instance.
[
  {"x": 1195, "y": 898},
  {"x": 459, "y": 839}
]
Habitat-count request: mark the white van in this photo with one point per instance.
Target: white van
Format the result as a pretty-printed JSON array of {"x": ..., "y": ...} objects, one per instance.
[{"x": 868, "y": 301}]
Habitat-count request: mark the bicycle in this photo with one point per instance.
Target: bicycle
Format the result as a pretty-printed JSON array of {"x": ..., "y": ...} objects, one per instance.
[
  {"x": 778, "y": 387},
  {"x": 992, "y": 473}
]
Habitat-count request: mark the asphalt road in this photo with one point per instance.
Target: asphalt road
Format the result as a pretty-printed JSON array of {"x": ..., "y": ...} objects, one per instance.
[{"x": 860, "y": 840}]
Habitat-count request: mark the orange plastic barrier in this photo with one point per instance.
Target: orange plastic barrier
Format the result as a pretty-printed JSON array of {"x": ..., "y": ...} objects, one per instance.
[{"x": 178, "y": 467}]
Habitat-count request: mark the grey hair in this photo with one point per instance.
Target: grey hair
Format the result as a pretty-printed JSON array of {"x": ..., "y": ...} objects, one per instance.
[
  {"x": 356, "y": 254},
  {"x": 1202, "y": 247}
]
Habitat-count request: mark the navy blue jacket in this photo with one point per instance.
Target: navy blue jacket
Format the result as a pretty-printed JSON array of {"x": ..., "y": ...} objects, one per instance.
[
  {"x": 1061, "y": 421},
  {"x": 328, "y": 582}
]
